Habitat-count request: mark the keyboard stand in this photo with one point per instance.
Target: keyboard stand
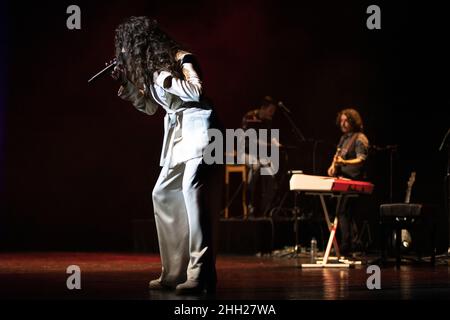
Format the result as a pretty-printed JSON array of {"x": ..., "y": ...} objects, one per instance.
[{"x": 327, "y": 261}]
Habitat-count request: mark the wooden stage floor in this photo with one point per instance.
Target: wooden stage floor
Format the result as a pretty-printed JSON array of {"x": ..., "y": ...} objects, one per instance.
[{"x": 108, "y": 276}]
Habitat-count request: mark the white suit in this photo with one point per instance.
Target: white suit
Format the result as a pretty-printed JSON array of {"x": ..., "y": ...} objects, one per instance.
[{"x": 181, "y": 213}]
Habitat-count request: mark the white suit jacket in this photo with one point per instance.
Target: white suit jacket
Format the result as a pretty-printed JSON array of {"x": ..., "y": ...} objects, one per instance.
[{"x": 185, "y": 126}]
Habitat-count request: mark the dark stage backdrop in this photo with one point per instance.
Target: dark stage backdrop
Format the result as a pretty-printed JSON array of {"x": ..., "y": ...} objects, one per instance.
[{"x": 79, "y": 164}]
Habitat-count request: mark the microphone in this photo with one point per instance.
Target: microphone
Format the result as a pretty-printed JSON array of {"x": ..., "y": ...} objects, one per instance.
[
  {"x": 106, "y": 69},
  {"x": 282, "y": 106}
]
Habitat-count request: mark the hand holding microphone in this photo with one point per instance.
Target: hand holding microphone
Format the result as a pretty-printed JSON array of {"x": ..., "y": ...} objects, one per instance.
[{"x": 118, "y": 74}]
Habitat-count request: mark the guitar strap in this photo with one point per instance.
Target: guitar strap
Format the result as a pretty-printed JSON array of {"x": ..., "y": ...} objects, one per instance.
[{"x": 348, "y": 144}]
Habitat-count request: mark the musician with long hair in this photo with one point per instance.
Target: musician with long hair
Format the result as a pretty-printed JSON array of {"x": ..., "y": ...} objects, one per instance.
[
  {"x": 353, "y": 147},
  {"x": 155, "y": 71},
  {"x": 349, "y": 162}
]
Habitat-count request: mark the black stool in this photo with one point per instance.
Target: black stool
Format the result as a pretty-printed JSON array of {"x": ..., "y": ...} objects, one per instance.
[{"x": 400, "y": 216}]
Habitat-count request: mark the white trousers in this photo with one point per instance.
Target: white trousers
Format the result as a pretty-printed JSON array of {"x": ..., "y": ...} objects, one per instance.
[{"x": 184, "y": 223}]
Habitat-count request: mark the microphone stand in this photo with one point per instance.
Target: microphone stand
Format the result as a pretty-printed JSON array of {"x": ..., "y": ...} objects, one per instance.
[
  {"x": 299, "y": 135},
  {"x": 391, "y": 149},
  {"x": 301, "y": 139},
  {"x": 287, "y": 113}
]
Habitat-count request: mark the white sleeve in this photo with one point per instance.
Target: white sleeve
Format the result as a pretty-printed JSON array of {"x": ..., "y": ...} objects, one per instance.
[{"x": 188, "y": 90}]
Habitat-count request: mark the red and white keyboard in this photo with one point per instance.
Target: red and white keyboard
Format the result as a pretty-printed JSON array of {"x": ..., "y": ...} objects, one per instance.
[
  {"x": 332, "y": 187},
  {"x": 305, "y": 182}
]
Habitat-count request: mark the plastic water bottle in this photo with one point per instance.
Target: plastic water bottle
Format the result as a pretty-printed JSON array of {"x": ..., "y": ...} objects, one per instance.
[{"x": 313, "y": 250}]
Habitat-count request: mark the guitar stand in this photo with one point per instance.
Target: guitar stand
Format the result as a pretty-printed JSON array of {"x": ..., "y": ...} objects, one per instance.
[{"x": 328, "y": 261}]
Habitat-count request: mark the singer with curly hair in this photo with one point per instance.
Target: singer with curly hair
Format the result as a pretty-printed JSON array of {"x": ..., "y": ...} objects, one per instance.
[{"x": 154, "y": 71}]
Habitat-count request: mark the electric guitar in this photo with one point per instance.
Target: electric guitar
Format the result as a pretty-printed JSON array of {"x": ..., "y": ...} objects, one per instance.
[
  {"x": 410, "y": 183},
  {"x": 333, "y": 164},
  {"x": 406, "y": 236}
]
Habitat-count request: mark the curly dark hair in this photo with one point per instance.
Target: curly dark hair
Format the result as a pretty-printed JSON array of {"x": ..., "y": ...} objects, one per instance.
[
  {"x": 147, "y": 49},
  {"x": 353, "y": 118}
]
